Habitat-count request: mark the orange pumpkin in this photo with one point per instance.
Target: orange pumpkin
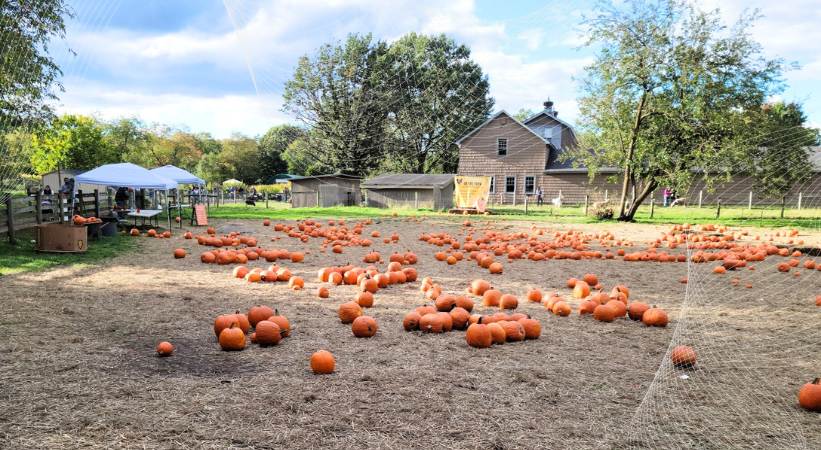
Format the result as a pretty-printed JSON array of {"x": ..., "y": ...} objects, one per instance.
[
  {"x": 259, "y": 313},
  {"x": 165, "y": 348},
  {"x": 655, "y": 317},
  {"x": 581, "y": 289},
  {"x": 364, "y": 299},
  {"x": 431, "y": 323},
  {"x": 232, "y": 338},
  {"x": 479, "y": 286},
  {"x": 809, "y": 396},
  {"x": 459, "y": 318},
  {"x": 683, "y": 356},
  {"x": 491, "y": 298},
  {"x": 532, "y": 327},
  {"x": 604, "y": 313},
  {"x": 495, "y": 268},
  {"x": 635, "y": 310},
  {"x": 411, "y": 321},
  {"x": 497, "y": 333},
  {"x": 534, "y": 295},
  {"x": 179, "y": 253},
  {"x": 323, "y": 362},
  {"x": 514, "y": 331},
  {"x": 364, "y": 326},
  {"x": 282, "y": 322},
  {"x": 322, "y": 292},
  {"x": 478, "y": 335},
  {"x": 561, "y": 308},
  {"x": 349, "y": 311},
  {"x": 267, "y": 333}
]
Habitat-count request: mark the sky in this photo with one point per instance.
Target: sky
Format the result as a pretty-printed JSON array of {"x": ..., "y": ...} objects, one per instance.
[{"x": 221, "y": 66}]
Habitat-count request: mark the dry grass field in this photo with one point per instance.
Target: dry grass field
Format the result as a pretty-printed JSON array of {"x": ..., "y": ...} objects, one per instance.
[{"x": 79, "y": 368}]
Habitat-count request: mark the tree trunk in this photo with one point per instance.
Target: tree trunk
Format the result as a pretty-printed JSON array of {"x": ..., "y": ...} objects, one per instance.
[
  {"x": 631, "y": 212},
  {"x": 631, "y": 149}
]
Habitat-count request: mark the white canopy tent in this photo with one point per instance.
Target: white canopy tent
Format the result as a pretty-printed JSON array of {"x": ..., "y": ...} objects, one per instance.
[
  {"x": 127, "y": 175},
  {"x": 181, "y": 176}
]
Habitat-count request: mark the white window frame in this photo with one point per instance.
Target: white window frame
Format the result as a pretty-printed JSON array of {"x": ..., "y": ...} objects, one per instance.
[
  {"x": 492, "y": 185},
  {"x": 514, "y": 184},
  {"x": 532, "y": 187},
  {"x": 499, "y": 142}
]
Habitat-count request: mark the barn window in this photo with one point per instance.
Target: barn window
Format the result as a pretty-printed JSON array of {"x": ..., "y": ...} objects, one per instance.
[
  {"x": 501, "y": 146},
  {"x": 510, "y": 185},
  {"x": 492, "y": 184},
  {"x": 530, "y": 183}
]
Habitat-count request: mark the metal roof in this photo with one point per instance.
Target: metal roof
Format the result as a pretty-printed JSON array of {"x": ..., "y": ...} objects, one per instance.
[
  {"x": 409, "y": 181},
  {"x": 330, "y": 175}
]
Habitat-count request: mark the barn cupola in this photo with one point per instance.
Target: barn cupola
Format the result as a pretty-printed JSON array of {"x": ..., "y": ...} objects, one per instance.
[{"x": 548, "y": 108}]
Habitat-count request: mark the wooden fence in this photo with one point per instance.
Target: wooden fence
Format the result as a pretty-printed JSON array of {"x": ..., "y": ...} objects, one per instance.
[{"x": 27, "y": 212}]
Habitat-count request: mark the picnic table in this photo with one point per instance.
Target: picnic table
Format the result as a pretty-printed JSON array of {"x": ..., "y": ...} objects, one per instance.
[{"x": 150, "y": 214}]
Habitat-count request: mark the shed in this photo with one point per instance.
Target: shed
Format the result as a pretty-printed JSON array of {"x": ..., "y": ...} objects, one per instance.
[
  {"x": 54, "y": 180},
  {"x": 410, "y": 190},
  {"x": 325, "y": 190}
]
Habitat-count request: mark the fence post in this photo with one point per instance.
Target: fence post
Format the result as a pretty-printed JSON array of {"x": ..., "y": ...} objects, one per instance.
[
  {"x": 317, "y": 198},
  {"x": 266, "y": 201},
  {"x": 605, "y": 195},
  {"x": 38, "y": 208},
  {"x": 652, "y": 206},
  {"x": 799, "y": 200},
  {"x": 718, "y": 209},
  {"x": 700, "y": 192},
  {"x": 10, "y": 219},
  {"x": 416, "y": 199},
  {"x": 525, "y": 204},
  {"x": 586, "y": 201},
  {"x": 97, "y": 203},
  {"x": 59, "y": 206},
  {"x": 80, "y": 202},
  {"x": 750, "y": 201},
  {"x": 783, "y": 204}
]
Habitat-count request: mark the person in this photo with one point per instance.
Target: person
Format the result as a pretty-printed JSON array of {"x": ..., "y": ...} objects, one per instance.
[
  {"x": 673, "y": 197},
  {"x": 539, "y": 196},
  {"x": 665, "y": 195},
  {"x": 66, "y": 187},
  {"x": 46, "y": 196},
  {"x": 121, "y": 197},
  {"x": 47, "y": 190}
]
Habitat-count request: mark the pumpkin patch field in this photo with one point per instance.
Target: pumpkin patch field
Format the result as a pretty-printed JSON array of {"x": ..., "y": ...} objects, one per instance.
[{"x": 420, "y": 333}]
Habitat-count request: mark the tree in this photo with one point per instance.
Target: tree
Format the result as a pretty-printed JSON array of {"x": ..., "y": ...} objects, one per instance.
[
  {"x": 336, "y": 94},
  {"x": 240, "y": 159},
  {"x": 300, "y": 157},
  {"x": 127, "y": 137},
  {"x": 71, "y": 141},
  {"x": 666, "y": 94},
  {"x": 28, "y": 74},
  {"x": 436, "y": 94},
  {"x": 522, "y": 114},
  {"x": 272, "y": 145},
  {"x": 781, "y": 159}
]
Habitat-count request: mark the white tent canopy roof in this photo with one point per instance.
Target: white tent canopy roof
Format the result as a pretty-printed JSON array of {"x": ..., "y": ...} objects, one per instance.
[
  {"x": 181, "y": 176},
  {"x": 125, "y": 175}
]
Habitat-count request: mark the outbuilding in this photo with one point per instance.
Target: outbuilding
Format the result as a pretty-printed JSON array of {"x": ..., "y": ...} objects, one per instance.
[
  {"x": 325, "y": 190},
  {"x": 410, "y": 190}
]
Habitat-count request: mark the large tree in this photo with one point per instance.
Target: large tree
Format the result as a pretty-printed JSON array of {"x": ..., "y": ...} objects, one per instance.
[
  {"x": 335, "y": 93},
  {"x": 239, "y": 159},
  {"x": 666, "y": 94},
  {"x": 71, "y": 141},
  {"x": 272, "y": 145},
  {"x": 28, "y": 73},
  {"x": 781, "y": 154},
  {"x": 437, "y": 93}
]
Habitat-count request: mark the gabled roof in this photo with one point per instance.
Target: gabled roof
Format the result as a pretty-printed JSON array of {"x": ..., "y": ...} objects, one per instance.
[
  {"x": 552, "y": 116},
  {"x": 330, "y": 175},
  {"x": 492, "y": 118},
  {"x": 409, "y": 181}
]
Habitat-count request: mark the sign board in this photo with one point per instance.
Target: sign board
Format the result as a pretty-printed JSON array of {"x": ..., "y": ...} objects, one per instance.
[
  {"x": 471, "y": 192},
  {"x": 200, "y": 214}
]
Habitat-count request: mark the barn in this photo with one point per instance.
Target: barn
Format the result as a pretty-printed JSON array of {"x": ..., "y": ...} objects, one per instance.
[
  {"x": 325, "y": 190},
  {"x": 410, "y": 190}
]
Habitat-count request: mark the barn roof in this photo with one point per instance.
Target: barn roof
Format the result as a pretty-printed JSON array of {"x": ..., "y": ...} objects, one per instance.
[
  {"x": 330, "y": 175},
  {"x": 409, "y": 181},
  {"x": 492, "y": 118}
]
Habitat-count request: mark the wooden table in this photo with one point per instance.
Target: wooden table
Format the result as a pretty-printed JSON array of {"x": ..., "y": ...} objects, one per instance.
[{"x": 146, "y": 214}]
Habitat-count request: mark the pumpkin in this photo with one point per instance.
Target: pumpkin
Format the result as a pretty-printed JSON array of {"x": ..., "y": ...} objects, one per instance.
[
  {"x": 571, "y": 282},
  {"x": 587, "y": 307},
  {"x": 282, "y": 322},
  {"x": 152, "y": 233},
  {"x": 266, "y": 223},
  {"x": 445, "y": 303},
  {"x": 514, "y": 331},
  {"x": 459, "y": 318},
  {"x": 369, "y": 285},
  {"x": 479, "y": 286},
  {"x": 165, "y": 348},
  {"x": 364, "y": 299},
  {"x": 497, "y": 333},
  {"x": 532, "y": 327},
  {"x": 655, "y": 317},
  {"x": 620, "y": 288},
  {"x": 683, "y": 356},
  {"x": 635, "y": 310},
  {"x": 296, "y": 283},
  {"x": 364, "y": 326},
  {"x": 809, "y": 396},
  {"x": 179, "y": 253},
  {"x": 259, "y": 313},
  {"x": 242, "y": 321},
  {"x": 508, "y": 301},
  {"x": 349, "y": 311},
  {"x": 581, "y": 289},
  {"x": 425, "y": 309},
  {"x": 604, "y": 313},
  {"x": 208, "y": 258},
  {"x": 267, "y": 333},
  {"x": 411, "y": 321},
  {"x": 619, "y": 308},
  {"x": 322, "y": 292},
  {"x": 534, "y": 295},
  {"x": 323, "y": 362},
  {"x": 590, "y": 279},
  {"x": 478, "y": 335},
  {"x": 561, "y": 308},
  {"x": 222, "y": 322},
  {"x": 464, "y": 302},
  {"x": 491, "y": 297},
  {"x": 495, "y": 268},
  {"x": 431, "y": 323},
  {"x": 818, "y": 300},
  {"x": 447, "y": 321},
  {"x": 297, "y": 257},
  {"x": 232, "y": 338}
]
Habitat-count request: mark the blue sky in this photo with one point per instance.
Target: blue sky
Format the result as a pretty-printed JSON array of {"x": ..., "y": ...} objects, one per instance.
[{"x": 220, "y": 67}]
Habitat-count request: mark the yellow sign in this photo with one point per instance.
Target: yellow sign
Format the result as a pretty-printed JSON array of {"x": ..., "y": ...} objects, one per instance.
[{"x": 471, "y": 192}]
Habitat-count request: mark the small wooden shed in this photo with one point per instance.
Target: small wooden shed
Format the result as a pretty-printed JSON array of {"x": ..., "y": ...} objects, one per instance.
[
  {"x": 325, "y": 190},
  {"x": 410, "y": 190}
]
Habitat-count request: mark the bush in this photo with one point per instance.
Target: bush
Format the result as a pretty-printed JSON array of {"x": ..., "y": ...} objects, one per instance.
[
  {"x": 270, "y": 189},
  {"x": 603, "y": 211}
]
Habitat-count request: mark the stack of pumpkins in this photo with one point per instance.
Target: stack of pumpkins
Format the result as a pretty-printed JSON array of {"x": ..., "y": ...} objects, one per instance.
[{"x": 269, "y": 328}]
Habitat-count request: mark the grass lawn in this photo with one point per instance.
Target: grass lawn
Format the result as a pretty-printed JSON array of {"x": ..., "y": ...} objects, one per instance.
[
  {"x": 22, "y": 257},
  {"x": 737, "y": 216}
]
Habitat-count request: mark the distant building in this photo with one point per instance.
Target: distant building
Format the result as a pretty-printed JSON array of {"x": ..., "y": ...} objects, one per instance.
[
  {"x": 410, "y": 190},
  {"x": 325, "y": 190}
]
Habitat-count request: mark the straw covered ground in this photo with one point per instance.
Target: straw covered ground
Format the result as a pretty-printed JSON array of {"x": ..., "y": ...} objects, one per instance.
[{"x": 79, "y": 369}]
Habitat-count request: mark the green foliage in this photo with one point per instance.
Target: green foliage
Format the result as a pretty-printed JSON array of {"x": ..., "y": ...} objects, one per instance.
[
  {"x": 667, "y": 93},
  {"x": 270, "y": 189},
  {"x": 75, "y": 142},
  {"x": 523, "y": 113},
  {"x": 781, "y": 154},
  {"x": 228, "y": 184},
  {"x": 300, "y": 158},
  {"x": 28, "y": 74},
  {"x": 272, "y": 145},
  {"x": 240, "y": 158}
]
